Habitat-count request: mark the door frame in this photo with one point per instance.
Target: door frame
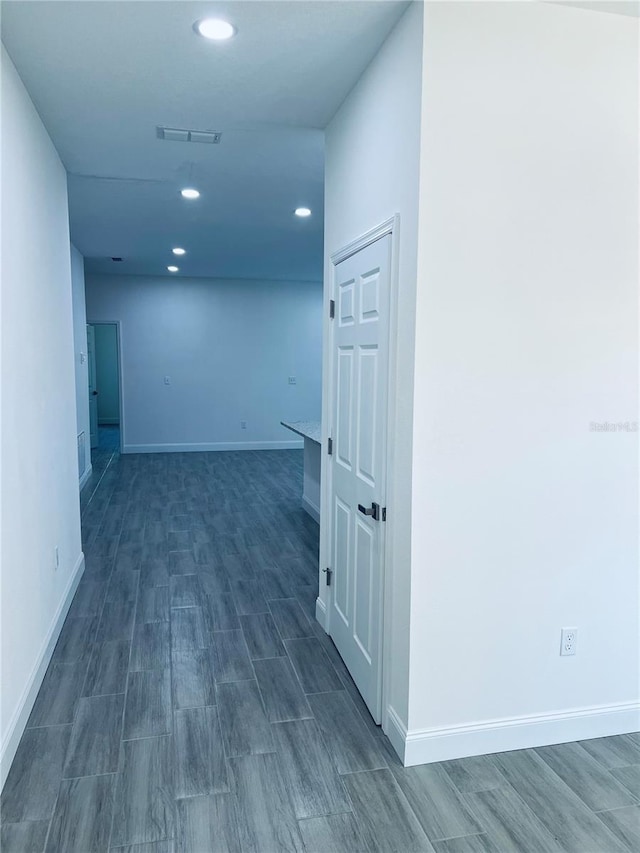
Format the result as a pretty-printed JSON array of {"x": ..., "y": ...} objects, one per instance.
[
  {"x": 323, "y": 610},
  {"x": 117, "y": 324}
]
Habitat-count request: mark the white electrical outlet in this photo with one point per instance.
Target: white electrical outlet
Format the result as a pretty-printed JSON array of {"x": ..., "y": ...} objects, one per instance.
[
  {"x": 243, "y": 424},
  {"x": 568, "y": 641},
  {"x": 56, "y": 565},
  {"x": 292, "y": 380}
]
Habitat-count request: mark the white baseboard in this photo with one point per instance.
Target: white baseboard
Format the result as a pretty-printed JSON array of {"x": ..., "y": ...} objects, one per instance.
[
  {"x": 429, "y": 745},
  {"x": 216, "y": 445},
  {"x": 396, "y": 731},
  {"x": 20, "y": 717},
  {"x": 85, "y": 477},
  {"x": 311, "y": 509},
  {"x": 321, "y": 612}
]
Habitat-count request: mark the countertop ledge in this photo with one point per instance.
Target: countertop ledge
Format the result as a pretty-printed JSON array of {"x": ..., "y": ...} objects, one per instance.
[{"x": 307, "y": 429}]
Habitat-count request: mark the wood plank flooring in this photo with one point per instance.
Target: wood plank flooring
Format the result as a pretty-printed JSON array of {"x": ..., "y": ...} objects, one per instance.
[{"x": 193, "y": 704}]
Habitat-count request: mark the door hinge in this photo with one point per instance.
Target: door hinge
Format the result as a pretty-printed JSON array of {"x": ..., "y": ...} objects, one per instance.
[
  {"x": 332, "y": 308},
  {"x": 330, "y": 446},
  {"x": 328, "y": 573}
]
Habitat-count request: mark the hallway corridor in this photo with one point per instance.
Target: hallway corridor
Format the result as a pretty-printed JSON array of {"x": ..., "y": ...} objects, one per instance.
[
  {"x": 193, "y": 704},
  {"x": 193, "y": 644}
]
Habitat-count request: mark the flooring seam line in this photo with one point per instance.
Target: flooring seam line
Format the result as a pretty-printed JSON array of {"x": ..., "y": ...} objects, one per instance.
[{"x": 124, "y": 708}]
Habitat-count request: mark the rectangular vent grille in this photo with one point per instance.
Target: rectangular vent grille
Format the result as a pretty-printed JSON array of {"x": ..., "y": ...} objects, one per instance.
[
  {"x": 81, "y": 452},
  {"x": 176, "y": 134}
]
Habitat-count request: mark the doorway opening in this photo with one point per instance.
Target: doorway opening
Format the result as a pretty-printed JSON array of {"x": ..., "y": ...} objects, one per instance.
[{"x": 105, "y": 388}]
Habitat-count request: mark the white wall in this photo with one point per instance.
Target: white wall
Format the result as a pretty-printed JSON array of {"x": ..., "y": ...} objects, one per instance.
[
  {"x": 527, "y": 318},
  {"x": 228, "y": 348},
  {"x": 80, "y": 356},
  {"x": 108, "y": 385},
  {"x": 40, "y": 500},
  {"x": 371, "y": 173}
]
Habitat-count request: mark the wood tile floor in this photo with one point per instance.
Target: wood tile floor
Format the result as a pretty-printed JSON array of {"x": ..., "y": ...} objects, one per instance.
[{"x": 193, "y": 704}]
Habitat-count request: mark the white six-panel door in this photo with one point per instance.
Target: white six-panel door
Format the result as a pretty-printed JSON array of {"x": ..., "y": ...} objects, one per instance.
[{"x": 360, "y": 343}]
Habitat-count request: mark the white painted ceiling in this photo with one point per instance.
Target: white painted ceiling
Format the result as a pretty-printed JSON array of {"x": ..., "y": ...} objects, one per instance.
[{"x": 103, "y": 75}]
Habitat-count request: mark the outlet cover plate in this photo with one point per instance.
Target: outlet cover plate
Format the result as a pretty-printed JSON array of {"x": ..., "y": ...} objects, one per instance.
[{"x": 568, "y": 641}]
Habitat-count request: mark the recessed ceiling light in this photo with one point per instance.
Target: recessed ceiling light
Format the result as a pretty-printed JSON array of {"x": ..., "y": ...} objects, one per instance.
[
  {"x": 173, "y": 269},
  {"x": 302, "y": 211},
  {"x": 179, "y": 251},
  {"x": 189, "y": 192},
  {"x": 215, "y": 29}
]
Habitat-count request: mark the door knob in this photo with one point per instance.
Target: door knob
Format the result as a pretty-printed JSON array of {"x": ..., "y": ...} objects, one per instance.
[{"x": 373, "y": 511}]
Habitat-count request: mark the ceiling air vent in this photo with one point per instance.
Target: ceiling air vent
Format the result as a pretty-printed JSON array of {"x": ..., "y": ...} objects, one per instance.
[{"x": 176, "y": 134}]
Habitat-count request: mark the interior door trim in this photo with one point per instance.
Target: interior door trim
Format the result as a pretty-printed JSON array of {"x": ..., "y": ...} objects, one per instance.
[{"x": 389, "y": 226}]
